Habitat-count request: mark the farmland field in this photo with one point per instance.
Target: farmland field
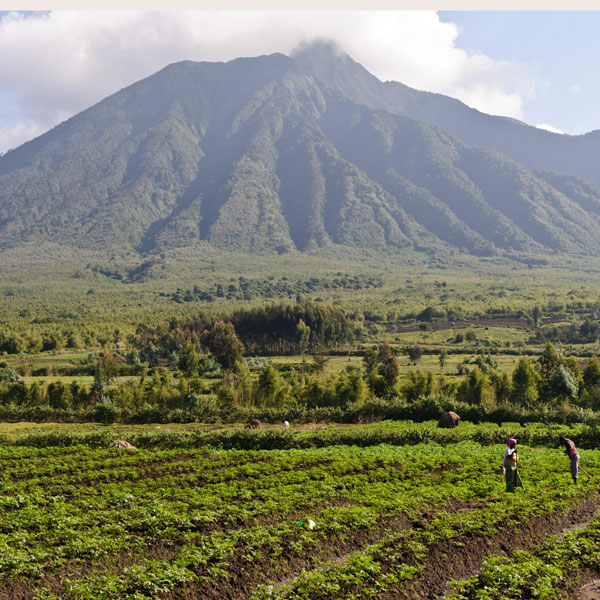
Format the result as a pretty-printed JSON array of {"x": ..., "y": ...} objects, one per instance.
[
  {"x": 207, "y": 509},
  {"x": 322, "y": 514}
]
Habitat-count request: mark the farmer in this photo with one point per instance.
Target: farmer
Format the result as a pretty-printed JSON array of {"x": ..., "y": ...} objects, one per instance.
[
  {"x": 509, "y": 465},
  {"x": 572, "y": 453}
]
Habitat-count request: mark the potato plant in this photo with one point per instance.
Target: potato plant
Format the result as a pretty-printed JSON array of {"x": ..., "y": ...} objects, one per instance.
[{"x": 95, "y": 522}]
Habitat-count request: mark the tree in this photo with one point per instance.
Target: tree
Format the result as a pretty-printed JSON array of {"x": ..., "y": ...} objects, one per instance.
[
  {"x": 389, "y": 369},
  {"x": 268, "y": 386},
  {"x": 350, "y": 387},
  {"x": 319, "y": 362},
  {"x": 303, "y": 331},
  {"x": 418, "y": 385},
  {"x": 382, "y": 371},
  {"x": 429, "y": 314},
  {"x": 563, "y": 383},
  {"x": 570, "y": 363},
  {"x": 370, "y": 360},
  {"x": 243, "y": 386},
  {"x": 548, "y": 362},
  {"x": 524, "y": 383},
  {"x": 589, "y": 330},
  {"x": 536, "y": 316},
  {"x": 223, "y": 342},
  {"x": 188, "y": 363},
  {"x": 473, "y": 389},
  {"x": 590, "y": 395},
  {"x": 415, "y": 352},
  {"x": 501, "y": 384},
  {"x": 107, "y": 368},
  {"x": 17, "y": 393},
  {"x": 59, "y": 395},
  {"x": 36, "y": 394},
  {"x": 442, "y": 358},
  {"x": 591, "y": 374},
  {"x": 73, "y": 340}
]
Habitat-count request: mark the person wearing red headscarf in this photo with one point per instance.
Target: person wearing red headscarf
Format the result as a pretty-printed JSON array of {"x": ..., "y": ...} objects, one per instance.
[{"x": 509, "y": 465}]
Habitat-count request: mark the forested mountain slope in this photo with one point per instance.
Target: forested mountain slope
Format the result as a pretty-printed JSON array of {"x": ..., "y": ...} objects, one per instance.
[{"x": 269, "y": 154}]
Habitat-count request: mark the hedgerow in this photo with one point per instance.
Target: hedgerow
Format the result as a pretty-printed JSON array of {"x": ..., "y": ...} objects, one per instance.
[{"x": 390, "y": 433}]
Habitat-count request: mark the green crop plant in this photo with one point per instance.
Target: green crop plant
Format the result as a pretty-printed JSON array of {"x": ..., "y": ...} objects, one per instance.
[
  {"x": 551, "y": 571},
  {"x": 209, "y": 513}
]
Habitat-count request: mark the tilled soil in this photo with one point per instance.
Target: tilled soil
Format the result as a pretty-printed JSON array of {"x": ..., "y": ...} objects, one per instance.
[
  {"x": 590, "y": 591},
  {"x": 459, "y": 558},
  {"x": 446, "y": 561}
]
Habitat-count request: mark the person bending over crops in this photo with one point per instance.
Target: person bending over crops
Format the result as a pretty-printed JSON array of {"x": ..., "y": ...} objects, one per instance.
[
  {"x": 572, "y": 453},
  {"x": 509, "y": 465}
]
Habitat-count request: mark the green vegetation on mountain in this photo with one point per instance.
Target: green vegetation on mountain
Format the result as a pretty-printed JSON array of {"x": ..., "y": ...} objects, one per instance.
[
  {"x": 534, "y": 148},
  {"x": 274, "y": 155}
]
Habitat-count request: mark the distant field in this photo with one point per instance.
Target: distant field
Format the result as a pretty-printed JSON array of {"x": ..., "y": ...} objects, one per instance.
[
  {"x": 484, "y": 334},
  {"x": 428, "y": 362},
  {"x": 22, "y": 429},
  {"x": 469, "y": 287}
]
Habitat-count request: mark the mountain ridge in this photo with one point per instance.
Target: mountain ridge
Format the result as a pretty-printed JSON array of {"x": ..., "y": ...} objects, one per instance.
[
  {"x": 261, "y": 155},
  {"x": 533, "y": 147}
]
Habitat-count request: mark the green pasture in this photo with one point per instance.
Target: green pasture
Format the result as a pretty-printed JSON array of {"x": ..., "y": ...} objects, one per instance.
[
  {"x": 485, "y": 337},
  {"x": 75, "y": 298},
  {"x": 86, "y": 380},
  {"x": 428, "y": 362}
]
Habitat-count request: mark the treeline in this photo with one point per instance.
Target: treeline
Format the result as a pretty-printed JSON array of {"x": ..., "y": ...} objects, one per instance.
[
  {"x": 552, "y": 380},
  {"x": 582, "y": 332},
  {"x": 50, "y": 336},
  {"x": 306, "y": 327},
  {"x": 268, "y": 395},
  {"x": 328, "y": 327},
  {"x": 251, "y": 289},
  {"x": 587, "y": 332},
  {"x": 149, "y": 269},
  {"x": 553, "y": 388},
  {"x": 301, "y": 328}
]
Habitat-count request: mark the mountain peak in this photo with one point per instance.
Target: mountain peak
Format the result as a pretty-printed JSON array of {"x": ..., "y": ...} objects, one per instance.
[{"x": 325, "y": 60}]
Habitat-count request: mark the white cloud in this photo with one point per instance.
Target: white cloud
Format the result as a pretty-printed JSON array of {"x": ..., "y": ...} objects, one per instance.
[
  {"x": 12, "y": 136},
  {"x": 575, "y": 89},
  {"x": 550, "y": 128},
  {"x": 63, "y": 62}
]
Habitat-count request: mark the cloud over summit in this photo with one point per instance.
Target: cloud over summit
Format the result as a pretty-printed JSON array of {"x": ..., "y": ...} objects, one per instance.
[{"x": 63, "y": 62}]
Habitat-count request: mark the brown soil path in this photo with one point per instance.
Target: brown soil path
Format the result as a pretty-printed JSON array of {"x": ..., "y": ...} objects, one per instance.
[
  {"x": 445, "y": 563},
  {"x": 591, "y": 591}
]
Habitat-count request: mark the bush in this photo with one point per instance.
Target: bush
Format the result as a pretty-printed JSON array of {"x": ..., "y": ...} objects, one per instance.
[{"x": 105, "y": 411}]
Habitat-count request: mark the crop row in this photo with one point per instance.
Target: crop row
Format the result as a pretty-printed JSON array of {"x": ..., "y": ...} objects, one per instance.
[
  {"x": 555, "y": 569},
  {"x": 218, "y": 518},
  {"x": 399, "y": 564}
]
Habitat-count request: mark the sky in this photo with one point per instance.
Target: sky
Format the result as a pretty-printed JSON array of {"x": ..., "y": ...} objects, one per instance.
[{"x": 536, "y": 66}]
